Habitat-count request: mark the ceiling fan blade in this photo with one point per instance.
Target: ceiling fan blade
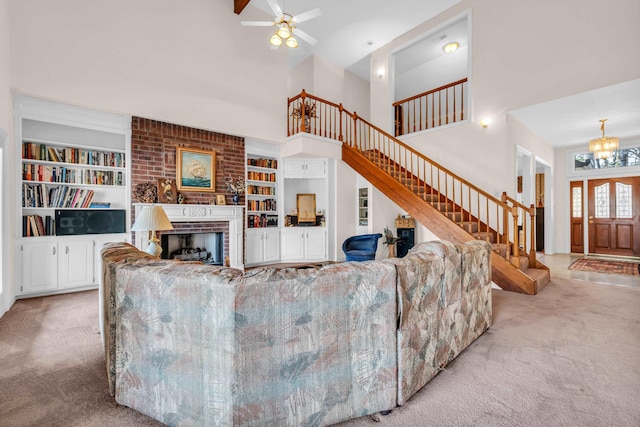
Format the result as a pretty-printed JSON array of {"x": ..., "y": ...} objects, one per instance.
[
  {"x": 275, "y": 7},
  {"x": 256, "y": 23},
  {"x": 305, "y": 16},
  {"x": 304, "y": 36}
]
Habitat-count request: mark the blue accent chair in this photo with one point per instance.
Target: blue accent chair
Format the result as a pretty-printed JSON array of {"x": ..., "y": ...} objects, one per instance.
[{"x": 361, "y": 248}]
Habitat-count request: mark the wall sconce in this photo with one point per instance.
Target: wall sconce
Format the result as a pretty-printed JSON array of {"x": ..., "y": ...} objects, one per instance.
[
  {"x": 485, "y": 123},
  {"x": 381, "y": 73}
]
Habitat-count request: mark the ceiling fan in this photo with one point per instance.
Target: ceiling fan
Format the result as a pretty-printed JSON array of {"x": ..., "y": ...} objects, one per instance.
[{"x": 286, "y": 26}]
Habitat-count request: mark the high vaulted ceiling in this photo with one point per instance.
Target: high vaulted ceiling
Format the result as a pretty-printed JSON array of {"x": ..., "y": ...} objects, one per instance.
[{"x": 348, "y": 31}]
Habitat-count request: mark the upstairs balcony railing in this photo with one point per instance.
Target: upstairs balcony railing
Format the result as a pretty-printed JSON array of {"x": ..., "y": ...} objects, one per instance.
[
  {"x": 436, "y": 107},
  {"x": 484, "y": 215}
]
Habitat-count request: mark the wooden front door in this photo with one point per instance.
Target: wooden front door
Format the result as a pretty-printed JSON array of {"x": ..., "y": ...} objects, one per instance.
[{"x": 614, "y": 216}]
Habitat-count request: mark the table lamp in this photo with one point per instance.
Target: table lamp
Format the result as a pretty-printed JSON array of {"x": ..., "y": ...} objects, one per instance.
[{"x": 152, "y": 218}]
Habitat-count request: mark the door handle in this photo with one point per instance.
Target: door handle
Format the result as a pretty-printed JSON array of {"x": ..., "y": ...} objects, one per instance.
[
  {"x": 590, "y": 216},
  {"x": 590, "y": 222}
]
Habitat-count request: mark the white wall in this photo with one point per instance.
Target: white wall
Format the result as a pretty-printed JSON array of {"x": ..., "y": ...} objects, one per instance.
[
  {"x": 7, "y": 292},
  {"x": 321, "y": 78},
  {"x": 438, "y": 72},
  {"x": 521, "y": 54},
  {"x": 187, "y": 62}
]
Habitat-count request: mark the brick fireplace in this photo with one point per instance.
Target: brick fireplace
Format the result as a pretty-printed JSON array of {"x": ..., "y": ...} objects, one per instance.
[
  {"x": 153, "y": 157},
  {"x": 204, "y": 219}
]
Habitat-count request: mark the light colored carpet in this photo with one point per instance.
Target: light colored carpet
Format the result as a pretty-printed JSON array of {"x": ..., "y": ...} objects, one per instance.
[{"x": 569, "y": 356}]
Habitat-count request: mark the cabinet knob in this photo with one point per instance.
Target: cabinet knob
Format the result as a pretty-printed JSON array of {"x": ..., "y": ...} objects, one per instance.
[
  {"x": 54, "y": 250},
  {"x": 66, "y": 250}
]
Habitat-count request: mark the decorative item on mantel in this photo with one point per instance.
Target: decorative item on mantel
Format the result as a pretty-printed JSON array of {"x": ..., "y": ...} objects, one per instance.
[
  {"x": 146, "y": 192},
  {"x": 390, "y": 240},
  {"x": 236, "y": 187}
]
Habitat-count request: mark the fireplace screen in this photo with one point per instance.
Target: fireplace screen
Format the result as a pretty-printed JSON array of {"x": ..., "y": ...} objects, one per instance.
[{"x": 205, "y": 247}]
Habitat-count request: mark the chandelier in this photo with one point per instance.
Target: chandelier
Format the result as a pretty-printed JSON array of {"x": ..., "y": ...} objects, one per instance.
[
  {"x": 603, "y": 148},
  {"x": 284, "y": 32}
]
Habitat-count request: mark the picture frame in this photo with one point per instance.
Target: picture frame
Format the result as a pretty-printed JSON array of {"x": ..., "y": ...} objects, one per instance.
[
  {"x": 306, "y": 205},
  {"x": 220, "y": 199},
  {"x": 167, "y": 191},
  {"x": 195, "y": 170}
]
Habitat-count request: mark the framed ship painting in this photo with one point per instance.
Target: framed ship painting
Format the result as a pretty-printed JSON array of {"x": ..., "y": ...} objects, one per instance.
[{"x": 195, "y": 169}]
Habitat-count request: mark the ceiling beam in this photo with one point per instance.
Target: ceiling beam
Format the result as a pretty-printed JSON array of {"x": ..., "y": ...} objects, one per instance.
[{"x": 239, "y": 5}]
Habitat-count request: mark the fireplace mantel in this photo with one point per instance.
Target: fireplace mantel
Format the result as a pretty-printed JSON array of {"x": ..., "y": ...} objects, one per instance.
[{"x": 232, "y": 214}]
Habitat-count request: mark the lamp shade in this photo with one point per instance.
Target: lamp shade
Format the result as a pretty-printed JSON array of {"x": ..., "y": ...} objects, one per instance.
[{"x": 152, "y": 218}]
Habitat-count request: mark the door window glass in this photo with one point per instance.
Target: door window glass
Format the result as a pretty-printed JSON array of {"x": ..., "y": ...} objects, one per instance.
[
  {"x": 576, "y": 202},
  {"x": 602, "y": 201},
  {"x": 623, "y": 200}
]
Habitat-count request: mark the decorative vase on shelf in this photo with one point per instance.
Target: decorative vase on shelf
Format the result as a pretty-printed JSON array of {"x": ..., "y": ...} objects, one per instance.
[{"x": 235, "y": 198}]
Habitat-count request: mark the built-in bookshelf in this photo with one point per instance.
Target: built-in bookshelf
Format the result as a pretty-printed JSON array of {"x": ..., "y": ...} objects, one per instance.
[
  {"x": 363, "y": 206},
  {"x": 65, "y": 166},
  {"x": 72, "y": 188},
  {"x": 261, "y": 192}
]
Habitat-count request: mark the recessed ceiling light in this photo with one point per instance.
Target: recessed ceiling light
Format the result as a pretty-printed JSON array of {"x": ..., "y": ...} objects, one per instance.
[{"x": 451, "y": 47}]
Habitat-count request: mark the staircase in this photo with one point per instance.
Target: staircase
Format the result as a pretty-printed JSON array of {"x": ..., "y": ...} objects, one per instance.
[{"x": 449, "y": 206}]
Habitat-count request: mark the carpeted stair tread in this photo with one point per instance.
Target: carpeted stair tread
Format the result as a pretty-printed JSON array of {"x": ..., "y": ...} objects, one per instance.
[
  {"x": 455, "y": 216},
  {"x": 469, "y": 226},
  {"x": 485, "y": 235},
  {"x": 523, "y": 262},
  {"x": 542, "y": 277}
]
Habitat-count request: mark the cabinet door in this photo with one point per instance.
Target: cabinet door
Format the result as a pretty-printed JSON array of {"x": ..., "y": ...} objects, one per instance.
[
  {"x": 315, "y": 244},
  {"x": 76, "y": 264},
  {"x": 292, "y": 244},
  {"x": 39, "y": 267},
  {"x": 294, "y": 168},
  {"x": 254, "y": 246},
  {"x": 271, "y": 244},
  {"x": 315, "y": 168}
]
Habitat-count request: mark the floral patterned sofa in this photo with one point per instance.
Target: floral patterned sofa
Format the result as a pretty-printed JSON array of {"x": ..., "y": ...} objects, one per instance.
[{"x": 191, "y": 344}]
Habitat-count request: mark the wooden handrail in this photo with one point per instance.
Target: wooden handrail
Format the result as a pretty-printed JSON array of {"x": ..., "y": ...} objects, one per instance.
[
  {"x": 431, "y": 91},
  {"x": 433, "y": 108},
  {"x": 452, "y": 194},
  {"x": 531, "y": 211}
]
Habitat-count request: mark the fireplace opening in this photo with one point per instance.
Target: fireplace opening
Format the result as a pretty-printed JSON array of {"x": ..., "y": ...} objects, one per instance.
[{"x": 205, "y": 247}]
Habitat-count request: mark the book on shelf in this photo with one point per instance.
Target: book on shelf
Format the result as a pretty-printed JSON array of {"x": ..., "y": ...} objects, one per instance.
[
  {"x": 36, "y": 225},
  {"x": 51, "y": 153},
  {"x": 99, "y": 205}
]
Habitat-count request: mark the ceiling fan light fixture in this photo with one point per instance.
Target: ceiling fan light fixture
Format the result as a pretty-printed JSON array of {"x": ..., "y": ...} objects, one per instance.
[
  {"x": 275, "y": 40},
  {"x": 451, "y": 47},
  {"x": 284, "y": 32},
  {"x": 292, "y": 42},
  {"x": 603, "y": 148}
]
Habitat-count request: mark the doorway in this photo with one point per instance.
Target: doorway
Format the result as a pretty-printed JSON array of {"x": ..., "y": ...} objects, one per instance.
[{"x": 614, "y": 216}]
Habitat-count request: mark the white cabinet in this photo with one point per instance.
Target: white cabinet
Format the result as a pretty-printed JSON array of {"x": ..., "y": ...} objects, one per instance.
[
  {"x": 56, "y": 265},
  {"x": 263, "y": 245},
  {"x": 305, "y": 168},
  {"x": 304, "y": 244},
  {"x": 75, "y": 264},
  {"x": 39, "y": 267},
  {"x": 316, "y": 243},
  {"x": 51, "y": 266}
]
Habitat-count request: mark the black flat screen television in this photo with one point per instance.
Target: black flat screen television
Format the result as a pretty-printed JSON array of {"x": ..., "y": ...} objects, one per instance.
[{"x": 71, "y": 222}]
